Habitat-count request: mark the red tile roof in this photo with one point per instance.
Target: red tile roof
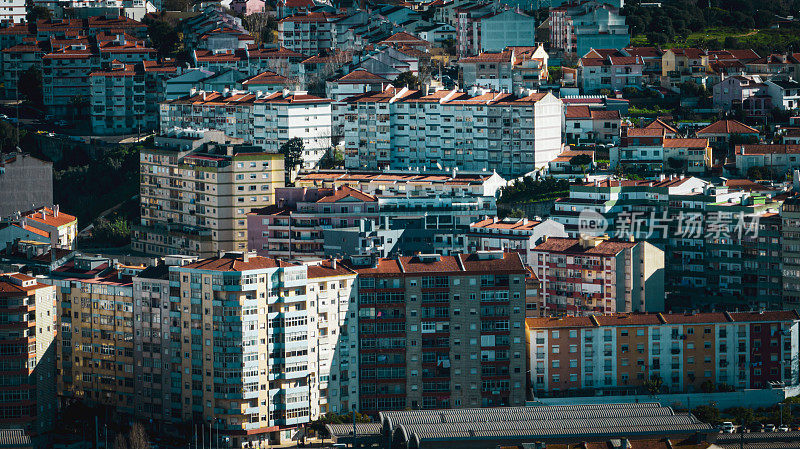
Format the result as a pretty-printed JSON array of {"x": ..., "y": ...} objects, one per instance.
[
  {"x": 361, "y": 75},
  {"x": 578, "y": 112},
  {"x": 767, "y": 149},
  {"x": 573, "y": 246},
  {"x": 326, "y": 269},
  {"x": 347, "y": 192},
  {"x": 45, "y": 215},
  {"x": 727, "y": 127},
  {"x": 265, "y": 78},
  {"x": 517, "y": 225},
  {"x": 685, "y": 143},
  {"x": 231, "y": 263}
]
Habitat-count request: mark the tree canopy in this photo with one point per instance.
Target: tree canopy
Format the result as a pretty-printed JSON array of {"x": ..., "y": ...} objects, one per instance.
[
  {"x": 292, "y": 152},
  {"x": 406, "y": 79},
  {"x": 163, "y": 36}
]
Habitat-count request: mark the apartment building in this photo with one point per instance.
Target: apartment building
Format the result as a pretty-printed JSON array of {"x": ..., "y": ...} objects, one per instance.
[
  {"x": 693, "y": 352},
  {"x": 95, "y": 343},
  {"x": 441, "y": 331},
  {"x": 294, "y": 227},
  {"x": 330, "y": 293},
  {"x": 576, "y": 28},
  {"x": 735, "y": 262},
  {"x": 512, "y": 235},
  {"x": 124, "y": 98},
  {"x": 152, "y": 341},
  {"x": 28, "y": 348},
  {"x": 468, "y": 21},
  {"x": 611, "y": 197},
  {"x": 264, "y": 120},
  {"x": 308, "y": 33},
  {"x": 196, "y": 190},
  {"x": 591, "y": 275},
  {"x": 790, "y": 252},
  {"x": 13, "y": 12},
  {"x": 15, "y": 61},
  {"x": 400, "y": 128},
  {"x": 66, "y": 80},
  {"x": 240, "y": 345},
  {"x": 402, "y": 182}
]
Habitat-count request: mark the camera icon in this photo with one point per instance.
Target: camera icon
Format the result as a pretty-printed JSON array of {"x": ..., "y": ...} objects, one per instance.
[{"x": 591, "y": 223}]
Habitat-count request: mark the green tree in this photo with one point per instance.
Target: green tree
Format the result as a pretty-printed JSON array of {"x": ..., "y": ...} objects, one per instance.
[
  {"x": 449, "y": 46},
  {"x": 292, "y": 152},
  {"x": 8, "y": 136},
  {"x": 30, "y": 86},
  {"x": 653, "y": 385},
  {"x": 675, "y": 164},
  {"x": 36, "y": 13},
  {"x": 318, "y": 426},
  {"x": 581, "y": 160},
  {"x": 517, "y": 213},
  {"x": 707, "y": 413},
  {"x": 406, "y": 79},
  {"x": 741, "y": 415},
  {"x": 163, "y": 37}
]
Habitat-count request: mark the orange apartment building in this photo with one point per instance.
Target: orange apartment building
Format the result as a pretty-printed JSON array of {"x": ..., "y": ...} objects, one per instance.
[{"x": 689, "y": 352}]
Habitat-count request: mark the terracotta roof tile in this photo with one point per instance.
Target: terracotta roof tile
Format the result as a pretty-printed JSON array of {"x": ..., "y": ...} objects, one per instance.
[{"x": 727, "y": 127}]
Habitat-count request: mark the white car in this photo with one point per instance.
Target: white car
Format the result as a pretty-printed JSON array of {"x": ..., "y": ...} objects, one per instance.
[
  {"x": 783, "y": 428},
  {"x": 726, "y": 427}
]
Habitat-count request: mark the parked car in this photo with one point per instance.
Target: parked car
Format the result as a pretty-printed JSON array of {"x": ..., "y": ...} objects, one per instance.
[
  {"x": 769, "y": 428},
  {"x": 726, "y": 427},
  {"x": 756, "y": 427},
  {"x": 783, "y": 428}
]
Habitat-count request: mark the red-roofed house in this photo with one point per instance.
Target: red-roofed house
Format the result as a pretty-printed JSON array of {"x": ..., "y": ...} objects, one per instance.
[
  {"x": 742, "y": 91},
  {"x": 514, "y": 67},
  {"x": 779, "y": 159},
  {"x": 610, "y": 70},
  {"x": 61, "y": 229},
  {"x": 719, "y": 133},
  {"x": 684, "y": 64}
]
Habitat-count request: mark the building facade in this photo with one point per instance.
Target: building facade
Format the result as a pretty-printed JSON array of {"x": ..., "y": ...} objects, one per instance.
[
  {"x": 265, "y": 120},
  {"x": 28, "y": 348},
  {"x": 400, "y": 128},
  {"x": 592, "y": 275},
  {"x": 196, "y": 190},
  {"x": 25, "y": 181},
  {"x": 695, "y": 352},
  {"x": 441, "y": 331}
]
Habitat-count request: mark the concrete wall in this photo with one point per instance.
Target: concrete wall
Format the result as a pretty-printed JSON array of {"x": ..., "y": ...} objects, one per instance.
[
  {"x": 25, "y": 183},
  {"x": 747, "y": 398}
]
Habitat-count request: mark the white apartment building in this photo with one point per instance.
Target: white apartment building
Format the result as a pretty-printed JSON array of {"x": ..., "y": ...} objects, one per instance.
[
  {"x": 124, "y": 97},
  {"x": 334, "y": 334},
  {"x": 264, "y": 120},
  {"x": 251, "y": 60},
  {"x": 308, "y": 33},
  {"x": 401, "y": 128},
  {"x": 12, "y": 11}
]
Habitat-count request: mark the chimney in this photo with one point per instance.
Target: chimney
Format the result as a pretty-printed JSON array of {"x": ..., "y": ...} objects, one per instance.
[
  {"x": 55, "y": 210},
  {"x": 333, "y": 263}
]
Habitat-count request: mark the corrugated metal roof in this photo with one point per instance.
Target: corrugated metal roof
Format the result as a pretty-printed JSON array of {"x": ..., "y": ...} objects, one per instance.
[
  {"x": 14, "y": 438},
  {"x": 363, "y": 429},
  {"x": 573, "y": 421}
]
